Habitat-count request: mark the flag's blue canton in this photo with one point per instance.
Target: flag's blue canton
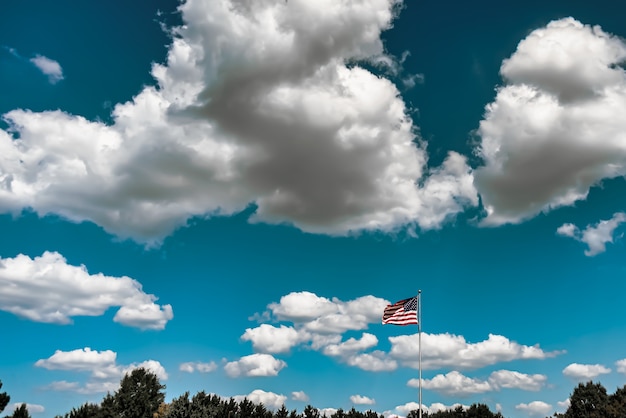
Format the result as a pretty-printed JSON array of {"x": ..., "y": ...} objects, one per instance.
[{"x": 410, "y": 305}]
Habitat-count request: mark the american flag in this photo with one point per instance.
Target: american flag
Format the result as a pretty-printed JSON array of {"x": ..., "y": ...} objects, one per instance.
[{"x": 403, "y": 312}]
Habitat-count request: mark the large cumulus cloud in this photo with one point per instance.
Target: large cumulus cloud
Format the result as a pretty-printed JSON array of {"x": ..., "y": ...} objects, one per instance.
[
  {"x": 557, "y": 127},
  {"x": 259, "y": 102}
]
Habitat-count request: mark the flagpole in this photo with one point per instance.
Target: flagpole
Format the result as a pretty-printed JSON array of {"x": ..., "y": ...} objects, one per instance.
[{"x": 419, "y": 340}]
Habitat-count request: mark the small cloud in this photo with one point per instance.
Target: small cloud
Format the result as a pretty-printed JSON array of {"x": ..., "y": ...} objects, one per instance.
[
  {"x": 535, "y": 408},
  {"x": 596, "y": 236},
  {"x": 190, "y": 367},
  {"x": 564, "y": 404},
  {"x": 300, "y": 396},
  {"x": 270, "y": 399},
  {"x": 105, "y": 373},
  {"x": 49, "y": 67},
  {"x": 327, "y": 412},
  {"x": 621, "y": 366},
  {"x": 255, "y": 365},
  {"x": 585, "y": 371},
  {"x": 361, "y": 400}
]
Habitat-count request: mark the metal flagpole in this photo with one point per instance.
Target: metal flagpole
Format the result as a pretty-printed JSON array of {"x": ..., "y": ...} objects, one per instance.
[{"x": 419, "y": 340}]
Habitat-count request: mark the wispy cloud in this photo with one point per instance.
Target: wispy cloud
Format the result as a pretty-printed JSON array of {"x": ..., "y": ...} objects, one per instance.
[
  {"x": 595, "y": 236},
  {"x": 49, "y": 67}
]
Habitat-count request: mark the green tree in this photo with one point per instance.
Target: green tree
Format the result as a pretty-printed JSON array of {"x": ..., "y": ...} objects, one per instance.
[
  {"x": 180, "y": 407},
  {"x": 310, "y": 412},
  {"x": 480, "y": 410},
  {"x": 246, "y": 408},
  {"x": 140, "y": 395},
  {"x": 617, "y": 403},
  {"x": 108, "y": 407},
  {"x": 588, "y": 400},
  {"x": 282, "y": 412},
  {"x": 87, "y": 410},
  {"x": 20, "y": 412},
  {"x": 4, "y": 399},
  {"x": 260, "y": 411}
]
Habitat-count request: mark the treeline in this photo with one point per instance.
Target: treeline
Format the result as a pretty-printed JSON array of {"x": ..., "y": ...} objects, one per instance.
[{"x": 141, "y": 395}]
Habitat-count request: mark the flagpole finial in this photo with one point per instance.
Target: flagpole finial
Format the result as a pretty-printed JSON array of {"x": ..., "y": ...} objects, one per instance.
[{"x": 419, "y": 291}]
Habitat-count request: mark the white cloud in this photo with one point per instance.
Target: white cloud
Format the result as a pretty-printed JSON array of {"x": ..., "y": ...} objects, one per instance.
[
  {"x": 320, "y": 315},
  {"x": 269, "y": 399},
  {"x": 414, "y": 406},
  {"x": 376, "y": 361},
  {"x": 361, "y": 400},
  {"x": 49, "y": 67},
  {"x": 447, "y": 350},
  {"x": 191, "y": 366},
  {"x": 307, "y": 311},
  {"x": 318, "y": 324},
  {"x": 327, "y": 412},
  {"x": 564, "y": 404},
  {"x": 33, "y": 408},
  {"x": 105, "y": 373},
  {"x": 453, "y": 383},
  {"x": 351, "y": 346},
  {"x": 595, "y": 236},
  {"x": 300, "y": 396},
  {"x": 327, "y": 147},
  {"x": 535, "y": 408},
  {"x": 621, "y": 366},
  {"x": 457, "y": 384},
  {"x": 515, "y": 380},
  {"x": 556, "y": 128},
  {"x": 585, "y": 371},
  {"x": 270, "y": 339},
  {"x": 47, "y": 289},
  {"x": 255, "y": 365},
  {"x": 84, "y": 359}
]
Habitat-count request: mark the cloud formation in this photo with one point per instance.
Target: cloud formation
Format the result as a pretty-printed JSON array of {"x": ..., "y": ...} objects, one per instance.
[
  {"x": 105, "y": 373},
  {"x": 270, "y": 400},
  {"x": 326, "y": 146},
  {"x": 255, "y": 365},
  {"x": 447, "y": 350},
  {"x": 191, "y": 366},
  {"x": 48, "y": 67},
  {"x": 596, "y": 236},
  {"x": 47, "y": 289},
  {"x": 300, "y": 396},
  {"x": 319, "y": 323},
  {"x": 555, "y": 128},
  {"x": 585, "y": 371},
  {"x": 361, "y": 400},
  {"x": 535, "y": 408},
  {"x": 456, "y": 384}
]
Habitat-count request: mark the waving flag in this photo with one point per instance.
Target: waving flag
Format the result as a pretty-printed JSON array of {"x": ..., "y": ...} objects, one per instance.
[{"x": 403, "y": 312}]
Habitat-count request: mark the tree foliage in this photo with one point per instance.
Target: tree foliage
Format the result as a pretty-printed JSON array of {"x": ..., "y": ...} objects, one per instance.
[
  {"x": 20, "y": 412},
  {"x": 140, "y": 395},
  {"x": 4, "y": 399}
]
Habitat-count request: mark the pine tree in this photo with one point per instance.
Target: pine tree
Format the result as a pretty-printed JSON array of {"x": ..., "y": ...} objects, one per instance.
[
  {"x": 4, "y": 399},
  {"x": 21, "y": 412},
  {"x": 140, "y": 395}
]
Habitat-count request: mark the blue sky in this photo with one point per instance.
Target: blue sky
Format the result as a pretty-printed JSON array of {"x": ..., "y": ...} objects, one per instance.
[{"x": 229, "y": 193}]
